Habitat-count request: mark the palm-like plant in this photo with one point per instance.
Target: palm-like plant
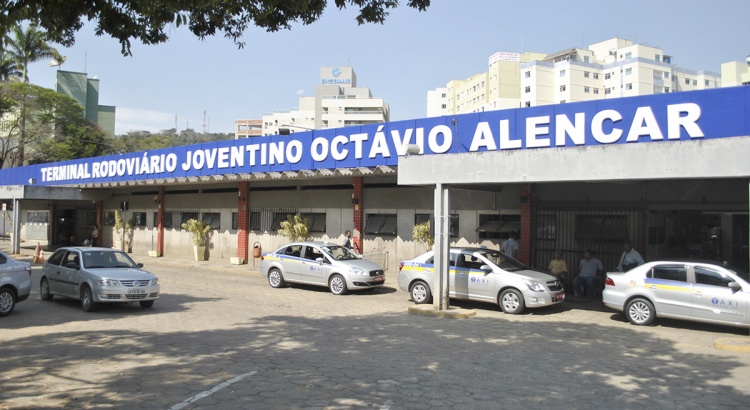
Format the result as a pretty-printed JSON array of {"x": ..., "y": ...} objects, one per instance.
[
  {"x": 26, "y": 46},
  {"x": 8, "y": 68}
]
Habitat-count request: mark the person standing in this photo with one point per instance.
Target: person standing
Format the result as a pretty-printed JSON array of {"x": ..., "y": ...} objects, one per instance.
[
  {"x": 558, "y": 267},
  {"x": 348, "y": 241},
  {"x": 94, "y": 236},
  {"x": 630, "y": 258},
  {"x": 588, "y": 269},
  {"x": 510, "y": 246}
]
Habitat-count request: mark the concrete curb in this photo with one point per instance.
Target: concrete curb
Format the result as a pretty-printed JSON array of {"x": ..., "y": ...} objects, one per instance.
[
  {"x": 452, "y": 313},
  {"x": 733, "y": 344}
]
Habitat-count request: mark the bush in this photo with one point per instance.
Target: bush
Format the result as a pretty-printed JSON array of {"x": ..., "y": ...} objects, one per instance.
[{"x": 199, "y": 231}]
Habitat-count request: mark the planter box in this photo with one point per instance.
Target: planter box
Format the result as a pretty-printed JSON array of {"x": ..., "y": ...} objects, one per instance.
[
  {"x": 200, "y": 253},
  {"x": 236, "y": 260},
  {"x": 154, "y": 254}
]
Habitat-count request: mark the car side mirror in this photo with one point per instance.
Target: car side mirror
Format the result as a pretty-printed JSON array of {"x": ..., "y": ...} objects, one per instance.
[
  {"x": 140, "y": 265},
  {"x": 486, "y": 269},
  {"x": 320, "y": 260},
  {"x": 735, "y": 287}
]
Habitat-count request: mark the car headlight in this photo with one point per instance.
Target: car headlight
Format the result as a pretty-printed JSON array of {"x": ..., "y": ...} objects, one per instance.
[
  {"x": 358, "y": 271},
  {"x": 534, "y": 285},
  {"x": 108, "y": 282},
  {"x": 154, "y": 281}
]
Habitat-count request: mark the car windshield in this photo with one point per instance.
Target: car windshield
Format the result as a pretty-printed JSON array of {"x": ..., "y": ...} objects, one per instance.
[
  {"x": 503, "y": 261},
  {"x": 107, "y": 259},
  {"x": 339, "y": 252}
]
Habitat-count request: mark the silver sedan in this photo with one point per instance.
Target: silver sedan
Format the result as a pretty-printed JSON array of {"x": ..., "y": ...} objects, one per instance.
[
  {"x": 689, "y": 290},
  {"x": 97, "y": 275},
  {"x": 321, "y": 264}
]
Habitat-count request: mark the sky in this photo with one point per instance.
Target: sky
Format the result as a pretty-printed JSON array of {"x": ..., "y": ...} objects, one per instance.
[{"x": 208, "y": 84}]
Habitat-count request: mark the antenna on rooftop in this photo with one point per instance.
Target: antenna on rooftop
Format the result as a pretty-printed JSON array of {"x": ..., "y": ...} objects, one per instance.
[{"x": 205, "y": 125}]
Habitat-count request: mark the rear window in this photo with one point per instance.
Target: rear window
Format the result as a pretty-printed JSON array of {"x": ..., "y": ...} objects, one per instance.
[{"x": 669, "y": 272}]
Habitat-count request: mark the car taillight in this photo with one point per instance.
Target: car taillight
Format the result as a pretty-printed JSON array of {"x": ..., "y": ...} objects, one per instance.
[
  {"x": 609, "y": 282},
  {"x": 400, "y": 266}
]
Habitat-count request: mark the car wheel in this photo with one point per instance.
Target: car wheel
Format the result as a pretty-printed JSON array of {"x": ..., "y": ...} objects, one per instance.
[
  {"x": 146, "y": 303},
  {"x": 337, "y": 285},
  {"x": 7, "y": 301},
  {"x": 420, "y": 293},
  {"x": 511, "y": 301},
  {"x": 87, "y": 300},
  {"x": 44, "y": 290},
  {"x": 275, "y": 279},
  {"x": 640, "y": 312}
]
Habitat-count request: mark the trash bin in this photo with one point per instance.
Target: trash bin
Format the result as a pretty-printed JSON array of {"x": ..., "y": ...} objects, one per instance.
[{"x": 257, "y": 250}]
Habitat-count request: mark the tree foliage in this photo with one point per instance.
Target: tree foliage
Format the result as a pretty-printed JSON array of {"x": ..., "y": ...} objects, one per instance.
[
  {"x": 148, "y": 21},
  {"x": 26, "y": 46},
  {"x": 422, "y": 235}
]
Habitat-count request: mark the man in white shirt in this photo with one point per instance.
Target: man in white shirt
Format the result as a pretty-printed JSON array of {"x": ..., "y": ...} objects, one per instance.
[
  {"x": 510, "y": 246},
  {"x": 630, "y": 258}
]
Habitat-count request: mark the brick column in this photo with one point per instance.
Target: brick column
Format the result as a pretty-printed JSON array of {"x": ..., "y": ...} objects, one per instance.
[
  {"x": 99, "y": 222},
  {"x": 160, "y": 223},
  {"x": 359, "y": 213},
  {"x": 243, "y": 220},
  {"x": 527, "y": 198}
]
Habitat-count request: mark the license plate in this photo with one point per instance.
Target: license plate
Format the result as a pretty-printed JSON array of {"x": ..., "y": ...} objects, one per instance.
[
  {"x": 379, "y": 278},
  {"x": 136, "y": 291},
  {"x": 559, "y": 297}
]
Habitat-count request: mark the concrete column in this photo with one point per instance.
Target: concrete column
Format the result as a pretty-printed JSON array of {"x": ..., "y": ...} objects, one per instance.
[
  {"x": 16, "y": 245},
  {"x": 441, "y": 247}
]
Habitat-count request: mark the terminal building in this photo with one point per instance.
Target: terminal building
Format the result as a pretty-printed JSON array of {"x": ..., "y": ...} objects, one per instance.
[{"x": 668, "y": 172}]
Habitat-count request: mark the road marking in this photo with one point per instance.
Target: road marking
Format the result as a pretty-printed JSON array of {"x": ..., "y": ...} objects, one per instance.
[{"x": 212, "y": 391}]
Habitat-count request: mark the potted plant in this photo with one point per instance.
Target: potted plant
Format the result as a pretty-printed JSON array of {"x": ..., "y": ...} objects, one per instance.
[
  {"x": 126, "y": 229},
  {"x": 295, "y": 228},
  {"x": 199, "y": 233}
]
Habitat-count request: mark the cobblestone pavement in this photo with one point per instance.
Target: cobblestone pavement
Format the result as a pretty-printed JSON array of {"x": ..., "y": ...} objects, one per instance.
[{"x": 220, "y": 337}]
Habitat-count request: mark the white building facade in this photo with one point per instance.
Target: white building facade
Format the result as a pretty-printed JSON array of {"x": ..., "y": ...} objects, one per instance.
[{"x": 337, "y": 102}]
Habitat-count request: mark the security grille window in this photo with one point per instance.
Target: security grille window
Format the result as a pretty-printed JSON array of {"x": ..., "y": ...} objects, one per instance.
[
  {"x": 317, "y": 221},
  {"x": 41, "y": 217},
  {"x": 669, "y": 272},
  {"x": 705, "y": 276},
  {"x": 546, "y": 227},
  {"x": 422, "y": 218},
  {"x": 139, "y": 218},
  {"x": 604, "y": 228},
  {"x": 109, "y": 218},
  {"x": 167, "y": 220},
  {"x": 213, "y": 219},
  {"x": 381, "y": 224},
  {"x": 279, "y": 217},
  {"x": 185, "y": 216},
  {"x": 255, "y": 224}
]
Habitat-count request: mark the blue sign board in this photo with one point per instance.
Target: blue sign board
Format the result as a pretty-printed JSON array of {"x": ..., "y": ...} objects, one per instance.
[{"x": 661, "y": 118}]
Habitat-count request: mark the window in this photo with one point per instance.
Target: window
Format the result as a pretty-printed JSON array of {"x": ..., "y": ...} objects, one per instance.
[
  {"x": 695, "y": 82},
  {"x": 596, "y": 91},
  {"x": 527, "y": 74},
  {"x": 381, "y": 224},
  {"x": 628, "y": 55},
  {"x": 493, "y": 226},
  {"x": 708, "y": 83},
  {"x": 666, "y": 89},
  {"x": 255, "y": 221},
  {"x": 213, "y": 219},
  {"x": 607, "y": 91},
  {"x": 527, "y": 89},
  {"x": 422, "y": 218},
  {"x": 279, "y": 217},
  {"x": 587, "y": 89},
  {"x": 629, "y": 71},
  {"x": 596, "y": 76},
  {"x": 41, "y": 217},
  {"x": 607, "y": 76},
  {"x": 657, "y": 57},
  {"x": 546, "y": 228},
  {"x": 139, "y": 218},
  {"x": 666, "y": 74},
  {"x": 706, "y": 276},
  {"x": 443, "y": 95},
  {"x": 235, "y": 221},
  {"x": 586, "y": 74},
  {"x": 562, "y": 73},
  {"x": 586, "y": 59},
  {"x": 184, "y": 216},
  {"x": 527, "y": 104},
  {"x": 562, "y": 87},
  {"x": 669, "y": 272},
  {"x": 629, "y": 86},
  {"x": 109, "y": 218},
  {"x": 317, "y": 221},
  {"x": 167, "y": 220},
  {"x": 687, "y": 81},
  {"x": 443, "y": 106},
  {"x": 562, "y": 101}
]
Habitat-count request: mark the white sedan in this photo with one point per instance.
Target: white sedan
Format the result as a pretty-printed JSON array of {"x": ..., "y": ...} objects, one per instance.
[{"x": 691, "y": 290}]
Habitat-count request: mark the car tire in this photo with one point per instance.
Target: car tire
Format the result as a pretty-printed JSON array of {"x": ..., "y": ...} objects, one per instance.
[
  {"x": 640, "y": 311},
  {"x": 511, "y": 302},
  {"x": 337, "y": 284},
  {"x": 87, "y": 300},
  {"x": 420, "y": 293},
  {"x": 276, "y": 279},
  {"x": 44, "y": 290},
  {"x": 146, "y": 303},
  {"x": 7, "y": 301}
]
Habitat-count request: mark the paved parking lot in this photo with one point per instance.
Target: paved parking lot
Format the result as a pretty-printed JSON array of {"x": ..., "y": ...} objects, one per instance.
[{"x": 220, "y": 337}]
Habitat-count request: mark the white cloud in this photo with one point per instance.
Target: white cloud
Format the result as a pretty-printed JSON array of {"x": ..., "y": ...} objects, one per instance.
[{"x": 134, "y": 119}]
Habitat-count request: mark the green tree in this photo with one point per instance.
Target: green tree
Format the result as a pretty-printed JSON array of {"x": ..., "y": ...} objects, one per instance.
[
  {"x": 8, "y": 68},
  {"x": 146, "y": 21},
  {"x": 422, "y": 235},
  {"x": 79, "y": 138},
  {"x": 26, "y": 46}
]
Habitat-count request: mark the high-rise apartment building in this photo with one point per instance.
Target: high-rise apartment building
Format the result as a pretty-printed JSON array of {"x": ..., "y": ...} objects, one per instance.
[
  {"x": 735, "y": 73},
  {"x": 86, "y": 91},
  {"x": 337, "y": 102},
  {"x": 608, "y": 69}
]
